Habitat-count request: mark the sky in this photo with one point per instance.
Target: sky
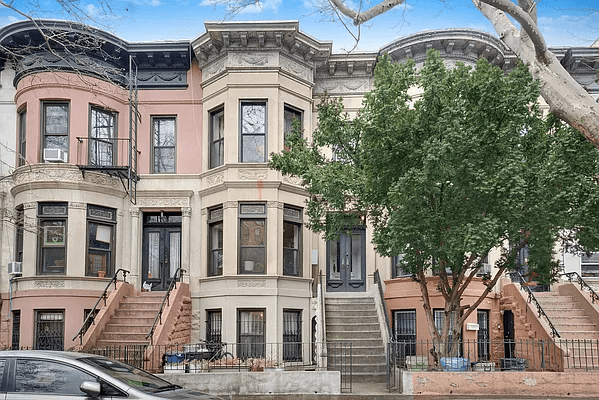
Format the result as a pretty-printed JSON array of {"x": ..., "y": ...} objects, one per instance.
[{"x": 563, "y": 22}]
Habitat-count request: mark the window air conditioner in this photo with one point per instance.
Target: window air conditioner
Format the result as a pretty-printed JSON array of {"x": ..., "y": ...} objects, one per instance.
[
  {"x": 55, "y": 155},
  {"x": 15, "y": 268}
]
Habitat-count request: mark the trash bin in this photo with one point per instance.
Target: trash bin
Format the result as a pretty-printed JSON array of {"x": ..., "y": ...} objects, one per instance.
[
  {"x": 513, "y": 364},
  {"x": 454, "y": 364}
]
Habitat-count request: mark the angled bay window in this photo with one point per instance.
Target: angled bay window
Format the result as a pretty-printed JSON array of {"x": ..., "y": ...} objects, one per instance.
[
  {"x": 101, "y": 223},
  {"x": 253, "y": 131},
  {"x": 102, "y": 134},
  {"x": 22, "y": 141},
  {"x": 252, "y": 239},
  {"x": 290, "y": 114},
  {"x": 217, "y": 138},
  {"x": 55, "y": 126},
  {"x": 163, "y": 144},
  {"x": 215, "y": 234},
  {"x": 52, "y": 238},
  {"x": 292, "y": 235}
]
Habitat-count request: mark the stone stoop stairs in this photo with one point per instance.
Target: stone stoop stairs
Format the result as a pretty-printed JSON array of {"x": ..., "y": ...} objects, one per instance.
[
  {"x": 132, "y": 321},
  {"x": 355, "y": 320},
  {"x": 575, "y": 329}
]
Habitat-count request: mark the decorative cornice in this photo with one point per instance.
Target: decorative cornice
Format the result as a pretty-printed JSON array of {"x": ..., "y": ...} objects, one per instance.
[{"x": 77, "y": 205}]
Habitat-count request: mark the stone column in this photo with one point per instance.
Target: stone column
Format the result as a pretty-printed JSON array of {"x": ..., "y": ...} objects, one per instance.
[
  {"x": 135, "y": 258},
  {"x": 185, "y": 242},
  {"x": 230, "y": 232}
]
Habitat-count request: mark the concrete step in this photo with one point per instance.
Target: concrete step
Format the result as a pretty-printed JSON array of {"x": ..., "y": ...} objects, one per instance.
[
  {"x": 126, "y": 313},
  {"x": 556, "y": 312},
  {"x": 343, "y": 336},
  {"x": 339, "y": 327},
  {"x": 578, "y": 334},
  {"x": 129, "y": 328},
  {"x": 143, "y": 305},
  {"x": 358, "y": 342},
  {"x": 124, "y": 336},
  {"x": 120, "y": 343},
  {"x": 568, "y": 319},
  {"x": 351, "y": 319},
  {"x": 118, "y": 320},
  {"x": 560, "y": 325}
]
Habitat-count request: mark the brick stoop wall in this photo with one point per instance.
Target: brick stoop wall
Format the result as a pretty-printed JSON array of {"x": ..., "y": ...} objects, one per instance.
[{"x": 512, "y": 383}]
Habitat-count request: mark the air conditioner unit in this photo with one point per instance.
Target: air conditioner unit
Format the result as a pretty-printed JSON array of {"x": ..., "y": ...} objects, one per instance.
[
  {"x": 55, "y": 155},
  {"x": 15, "y": 268},
  {"x": 485, "y": 269}
]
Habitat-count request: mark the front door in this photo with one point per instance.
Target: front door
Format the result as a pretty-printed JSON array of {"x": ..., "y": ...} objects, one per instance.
[
  {"x": 346, "y": 263},
  {"x": 161, "y": 249}
]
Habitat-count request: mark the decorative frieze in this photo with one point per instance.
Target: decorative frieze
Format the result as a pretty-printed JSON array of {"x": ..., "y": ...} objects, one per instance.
[
  {"x": 296, "y": 69},
  {"x": 274, "y": 204},
  {"x": 29, "y": 206},
  {"x": 163, "y": 202},
  {"x": 251, "y": 283},
  {"x": 343, "y": 86},
  {"x": 49, "y": 284},
  {"x": 77, "y": 205},
  {"x": 291, "y": 179},
  {"x": 57, "y": 175},
  {"x": 230, "y": 204},
  {"x": 215, "y": 179},
  {"x": 252, "y": 174}
]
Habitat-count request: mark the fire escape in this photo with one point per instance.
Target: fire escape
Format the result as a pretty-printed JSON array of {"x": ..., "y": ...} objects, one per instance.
[{"x": 104, "y": 152}]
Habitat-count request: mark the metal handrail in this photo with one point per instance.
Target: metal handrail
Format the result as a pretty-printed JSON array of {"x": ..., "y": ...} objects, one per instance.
[
  {"x": 91, "y": 316},
  {"x": 379, "y": 283},
  {"x": 582, "y": 283},
  {"x": 532, "y": 298},
  {"x": 165, "y": 299}
]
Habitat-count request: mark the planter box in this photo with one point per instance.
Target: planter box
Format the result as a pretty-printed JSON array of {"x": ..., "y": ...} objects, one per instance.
[
  {"x": 417, "y": 363},
  {"x": 455, "y": 364},
  {"x": 484, "y": 367}
]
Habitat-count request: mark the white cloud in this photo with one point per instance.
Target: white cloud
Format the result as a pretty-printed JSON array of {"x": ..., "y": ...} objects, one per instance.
[
  {"x": 91, "y": 10},
  {"x": 12, "y": 19}
]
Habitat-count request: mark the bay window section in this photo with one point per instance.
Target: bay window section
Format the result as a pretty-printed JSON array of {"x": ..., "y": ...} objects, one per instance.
[
  {"x": 252, "y": 239},
  {"x": 22, "y": 144},
  {"x": 253, "y": 131},
  {"x": 101, "y": 223},
  {"x": 217, "y": 138},
  {"x": 55, "y": 126},
  {"x": 215, "y": 234},
  {"x": 52, "y": 221},
  {"x": 163, "y": 144},
  {"x": 292, "y": 234},
  {"x": 102, "y": 137},
  {"x": 291, "y": 114}
]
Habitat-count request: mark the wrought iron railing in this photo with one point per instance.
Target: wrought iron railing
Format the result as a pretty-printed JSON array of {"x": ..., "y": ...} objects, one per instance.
[
  {"x": 165, "y": 301},
  {"x": 583, "y": 285},
  {"x": 533, "y": 299},
  {"x": 465, "y": 355},
  {"x": 90, "y": 319}
]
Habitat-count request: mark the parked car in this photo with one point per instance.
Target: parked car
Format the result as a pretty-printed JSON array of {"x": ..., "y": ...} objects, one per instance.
[{"x": 61, "y": 375}]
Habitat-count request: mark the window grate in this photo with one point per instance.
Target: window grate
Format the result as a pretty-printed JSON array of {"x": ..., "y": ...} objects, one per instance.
[{"x": 49, "y": 330}]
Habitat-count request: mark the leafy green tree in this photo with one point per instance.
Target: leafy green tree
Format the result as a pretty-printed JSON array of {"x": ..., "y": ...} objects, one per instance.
[{"x": 468, "y": 165}]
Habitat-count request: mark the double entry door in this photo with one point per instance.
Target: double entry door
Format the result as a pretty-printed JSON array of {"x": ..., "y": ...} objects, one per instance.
[
  {"x": 346, "y": 262},
  {"x": 161, "y": 249}
]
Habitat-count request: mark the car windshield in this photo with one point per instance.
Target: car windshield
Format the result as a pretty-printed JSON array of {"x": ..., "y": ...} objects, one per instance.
[{"x": 135, "y": 377}]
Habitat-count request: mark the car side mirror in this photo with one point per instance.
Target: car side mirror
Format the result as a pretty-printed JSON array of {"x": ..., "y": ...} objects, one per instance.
[{"x": 90, "y": 388}]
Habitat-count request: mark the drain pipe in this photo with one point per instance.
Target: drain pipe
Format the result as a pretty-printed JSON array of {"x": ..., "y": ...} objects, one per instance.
[{"x": 9, "y": 315}]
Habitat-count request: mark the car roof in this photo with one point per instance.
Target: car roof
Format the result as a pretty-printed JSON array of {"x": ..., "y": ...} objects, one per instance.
[{"x": 50, "y": 354}]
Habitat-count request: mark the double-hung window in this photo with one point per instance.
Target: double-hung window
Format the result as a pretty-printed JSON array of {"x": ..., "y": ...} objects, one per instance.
[
  {"x": 102, "y": 135},
  {"x": 292, "y": 235},
  {"x": 589, "y": 265},
  {"x": 163, "y": 144},
  {"x": 251, "y": 336},
  {"x": 253, "y": 131},
  {"x": 217, "y": 138},
  {"x": 215, "y": 234},
  {"x": 252, "y": 238},
  {"x": 52, "y": 238},
  {"x": 399, "y": 267},
  {"x": 55, "y": 126},
  {"x": 22, "y": 141},
  {"x": 101, "y": 222},
  {"x": 291, "y": 114}
]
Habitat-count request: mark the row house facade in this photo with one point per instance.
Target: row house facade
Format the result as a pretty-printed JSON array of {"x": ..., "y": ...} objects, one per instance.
[{"x": 153, "y": 157}]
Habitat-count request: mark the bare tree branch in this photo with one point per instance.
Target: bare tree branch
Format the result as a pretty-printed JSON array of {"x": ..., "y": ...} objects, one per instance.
[{"x": 359, "y": 17}]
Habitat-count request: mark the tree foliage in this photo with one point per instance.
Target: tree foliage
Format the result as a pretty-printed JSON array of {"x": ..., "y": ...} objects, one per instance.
[{"x": 466, "y": 165}]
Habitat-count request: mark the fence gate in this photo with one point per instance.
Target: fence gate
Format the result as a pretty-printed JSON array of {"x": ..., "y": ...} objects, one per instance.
[{"x": 339, "y": 358}]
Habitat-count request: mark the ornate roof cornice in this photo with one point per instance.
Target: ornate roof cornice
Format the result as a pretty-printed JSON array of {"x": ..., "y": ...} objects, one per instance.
[{"x": 92, "y": 51}]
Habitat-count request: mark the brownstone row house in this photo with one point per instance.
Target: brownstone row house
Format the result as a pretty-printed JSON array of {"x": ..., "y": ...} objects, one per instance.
[{"x": 152, "y": 157}]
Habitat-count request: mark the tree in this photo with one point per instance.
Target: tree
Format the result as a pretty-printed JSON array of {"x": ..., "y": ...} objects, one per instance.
[
  {"x": 469, "y": 166},
  {"x": 566, "y": 98}
]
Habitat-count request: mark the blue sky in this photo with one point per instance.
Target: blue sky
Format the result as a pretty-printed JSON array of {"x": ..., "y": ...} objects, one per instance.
[{"x": 564, "y": 23}]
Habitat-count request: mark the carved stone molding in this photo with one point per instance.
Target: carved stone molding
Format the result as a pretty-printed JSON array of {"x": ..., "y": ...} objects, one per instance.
[
  {"x": 251, "y": 283},
  {"x": 204, "y": 212},
  {"x": 215, "y": 179},
  {"x": 49, "y": 284},
  {"x": 294, "y": 180},
  {"x": 343, "y": 86},
  {"x": 296, "y": 69},
  {"x": 135, "y": 213},
  {"x": 231, "y": 204},
  {"x": 120, "y": 213},
  {"x": 49, "y": 174},
  {"x": 253, "y": 59},
  {"x": 274, "y": 204},
  {"x": 29, "y": 206},
  {"x": 77, "y": 205},
  {"x": 186, "y": 211},
  {"x": 252, "y": 174},
  {"x": 163, "y": 202}
]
